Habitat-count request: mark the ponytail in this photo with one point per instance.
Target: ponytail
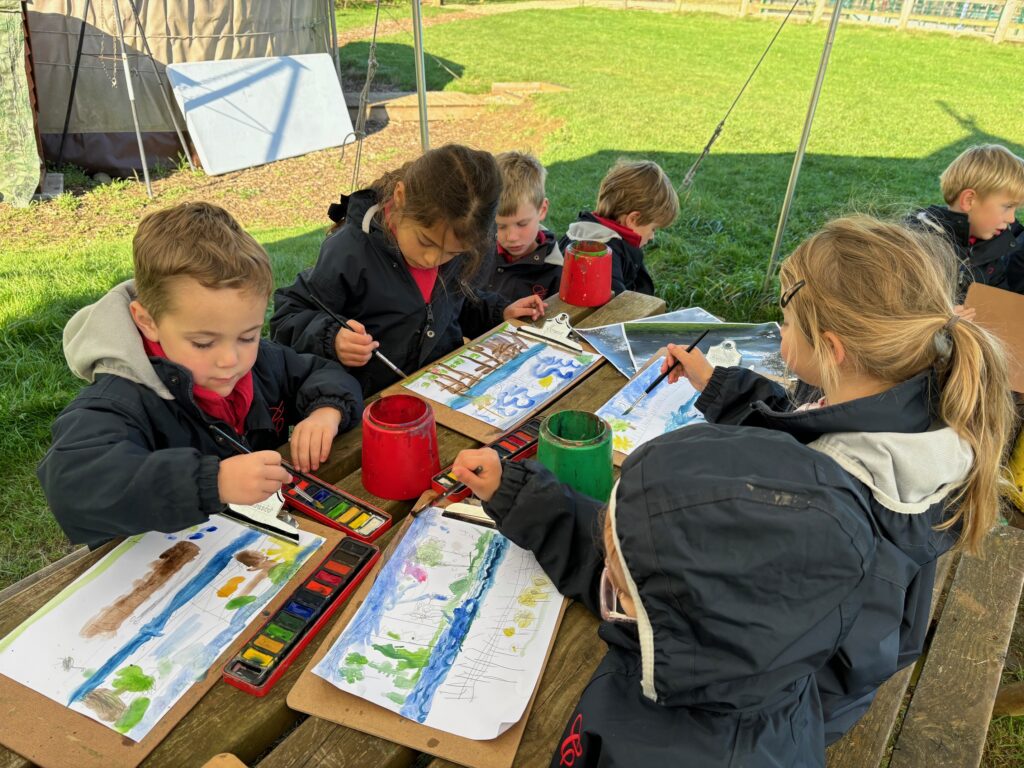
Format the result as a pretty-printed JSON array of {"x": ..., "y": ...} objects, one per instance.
[{"x": 976, "y": 402}]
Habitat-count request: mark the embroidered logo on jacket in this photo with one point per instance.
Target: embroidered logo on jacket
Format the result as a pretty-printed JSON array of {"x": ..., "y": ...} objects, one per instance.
[
  {"x": 277, "y": 417},
  {"x": 572, "y": 746}
]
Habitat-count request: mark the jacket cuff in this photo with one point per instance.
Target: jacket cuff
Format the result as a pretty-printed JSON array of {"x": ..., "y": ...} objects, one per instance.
[
  {"x": 329, "y": 333},
  {"x": 713, "y": 389},
  {"x": 514, "y": 477},
  {"x": 347, "y": 405},
  {"x": 209, "y": 493}
]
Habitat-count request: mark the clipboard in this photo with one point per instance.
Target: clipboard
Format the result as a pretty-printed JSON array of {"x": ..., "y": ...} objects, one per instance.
[
  {"x": 54, "y": 736},
  {"x": 315, "y": 696},
  {"x": 472, "y": 427}
]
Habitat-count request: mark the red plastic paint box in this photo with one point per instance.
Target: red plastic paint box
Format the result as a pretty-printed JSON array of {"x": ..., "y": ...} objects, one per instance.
[{"x": 357, "y": 518}]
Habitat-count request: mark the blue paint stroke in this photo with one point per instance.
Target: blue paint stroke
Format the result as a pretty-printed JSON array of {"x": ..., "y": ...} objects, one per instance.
[
  {"x": 154, "y": 627},
  {"x": 443, "y": 654},
  {"x": 553, "y": 365},
  {"x": 201, "y": 662},
  {"x": 178, "y": 637},
  {"x": 491, "y": 380},
  {"x": 386, "y": 593}
]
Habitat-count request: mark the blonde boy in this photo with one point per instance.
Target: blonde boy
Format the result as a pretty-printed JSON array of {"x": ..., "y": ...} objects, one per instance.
[
  {"x": 526, "y": 259},
  {"x": 982, "y": 188},
  {"x": 169, "y": 355},
  {"x": 636, "y": 198}
]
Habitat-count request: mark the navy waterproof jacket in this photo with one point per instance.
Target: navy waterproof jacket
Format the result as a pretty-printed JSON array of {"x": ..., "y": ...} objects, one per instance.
[
  {"x": 360, "y": 274},
  {"x": 538, "y": 274},
  {"x": 746, "y": 552},
  {"x": 907, "y": 464},
  {"x": 134, "y": 453}
]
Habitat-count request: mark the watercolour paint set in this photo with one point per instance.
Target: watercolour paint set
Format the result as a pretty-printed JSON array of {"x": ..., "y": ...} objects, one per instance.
[
  {"x": 516, "y": 445},
  {"x": 279, "y": 642},
  {"x": 357, "y": 518}
]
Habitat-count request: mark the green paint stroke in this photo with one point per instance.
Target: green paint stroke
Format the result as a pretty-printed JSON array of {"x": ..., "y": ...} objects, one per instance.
[
  {"x": 281, "y": 572},
  {"x": 406, "y": 659},
  {"x": 132, "y": 678},
  {"x": 132, "y": 715},
  {"x": 394, "y": 635},
  {"x": 353, "y": 669},
  {"x": 61, "y": 597},
  {"x": 237, "y": 602},
  {"x": 430, "y": 553},
  {"x": 396, "y": 697}
]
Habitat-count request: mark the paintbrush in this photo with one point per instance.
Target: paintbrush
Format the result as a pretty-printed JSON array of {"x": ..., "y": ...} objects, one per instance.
[
  {"x": 664, "y": 375},
  {"x": 240, "y": 448},
  {"x": 429, "y": 496},
  {"x": 344, "y": 324}
]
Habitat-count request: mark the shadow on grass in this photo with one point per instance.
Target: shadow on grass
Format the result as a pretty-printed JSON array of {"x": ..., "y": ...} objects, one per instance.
[{"x": 395, "y": 63}]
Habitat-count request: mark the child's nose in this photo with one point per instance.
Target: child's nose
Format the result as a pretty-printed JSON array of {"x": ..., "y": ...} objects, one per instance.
[{"x": 228, "y": 358}]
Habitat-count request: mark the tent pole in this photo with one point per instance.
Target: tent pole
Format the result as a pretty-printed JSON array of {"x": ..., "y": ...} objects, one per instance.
[
  {"x": 131, "y": 96},
  {"x": 162, "y": 83},
  {"x": 421, "y": 80},
  {"x": 794, "y": 174},
  {"x": 74, "y": 83}
]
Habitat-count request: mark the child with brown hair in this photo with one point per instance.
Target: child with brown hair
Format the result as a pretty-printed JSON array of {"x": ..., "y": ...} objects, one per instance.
[
  {"x": 636, "y": 198},
  {"x": 982, "y": 188},
  {"x": 758, "y": 585},
  {"x": 526, "y": 258},
  {"x": 399, "y": 268},
  {"x": 169, "y": 355}
]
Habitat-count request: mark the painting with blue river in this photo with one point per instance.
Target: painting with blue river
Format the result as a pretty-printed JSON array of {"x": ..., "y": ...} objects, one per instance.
[
  {"x": 453, "y": 633},
  {"x": 502, "y": 378}
]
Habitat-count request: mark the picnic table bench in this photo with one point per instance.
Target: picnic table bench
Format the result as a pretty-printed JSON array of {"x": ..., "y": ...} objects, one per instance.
[{"x": 945, "y": 722}]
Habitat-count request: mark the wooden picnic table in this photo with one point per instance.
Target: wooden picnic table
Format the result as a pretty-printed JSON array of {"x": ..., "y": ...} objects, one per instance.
[{"x": 227, "y": 720}]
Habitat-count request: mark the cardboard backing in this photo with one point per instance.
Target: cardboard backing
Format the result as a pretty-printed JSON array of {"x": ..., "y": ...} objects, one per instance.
[
  {"x": 1002, "y": 314},
  {"x": 54, "y": 736},
  {"x": 317, "y": 697}
]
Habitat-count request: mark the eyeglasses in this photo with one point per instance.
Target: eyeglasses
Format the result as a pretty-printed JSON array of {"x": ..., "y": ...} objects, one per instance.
[
  {"x": 609, "y": 601},
  {"x": 788, "y": 295}
]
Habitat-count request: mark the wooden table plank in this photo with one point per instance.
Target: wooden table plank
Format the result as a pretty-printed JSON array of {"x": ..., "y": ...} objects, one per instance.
[
  {"x": 323, "y": 744},
  {"x": 865, "y": 744},
  {"x": 948, "y": 716}
]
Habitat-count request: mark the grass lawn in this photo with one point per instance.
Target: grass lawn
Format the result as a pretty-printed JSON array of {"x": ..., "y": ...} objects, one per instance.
[{"x": 896, "y": 109}]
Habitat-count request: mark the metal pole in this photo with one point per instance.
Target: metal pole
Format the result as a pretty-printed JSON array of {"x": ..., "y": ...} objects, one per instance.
[
  {"x": 335, "y": 53},
  {"x": 794, "y": 174},
  {"x": 163, "y": 85},
  {"x": 421, "y": 79},
  {"x": 131, "y": 96},
  {"x": 74, "y": 84}
]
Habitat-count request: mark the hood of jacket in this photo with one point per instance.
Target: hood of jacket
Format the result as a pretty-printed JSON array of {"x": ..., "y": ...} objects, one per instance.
[
  {"x": 588, "y": 229},
  {"x": 103, "y": 338},
  {"x": 743, "y": 587}
]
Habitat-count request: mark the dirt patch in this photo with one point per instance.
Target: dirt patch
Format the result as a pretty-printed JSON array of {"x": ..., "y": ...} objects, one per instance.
[{"x": 287, "y": 193}]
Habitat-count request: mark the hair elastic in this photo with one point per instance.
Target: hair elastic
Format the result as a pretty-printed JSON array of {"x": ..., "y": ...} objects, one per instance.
[{"x": 953, "y": 320}]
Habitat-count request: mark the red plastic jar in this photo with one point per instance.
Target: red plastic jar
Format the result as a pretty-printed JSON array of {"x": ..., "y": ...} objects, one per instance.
[
  {"x": 586, "y": 274},
  {"x": 399, "y": 447}
]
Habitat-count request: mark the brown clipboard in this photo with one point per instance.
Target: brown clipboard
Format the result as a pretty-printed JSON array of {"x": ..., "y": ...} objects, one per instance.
[
  {"x": 481, "y": 431},
  {"x": 1001, "y": 313},
  {"x": 54, "y": 736},
  {"x": 315, "y": 696}
]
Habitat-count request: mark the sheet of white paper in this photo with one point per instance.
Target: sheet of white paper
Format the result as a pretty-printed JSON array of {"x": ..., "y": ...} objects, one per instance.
[
  {"x": 123, "y": 642},
  {"x": 666, "y": 409},
  {"x": 501, "y": 378},
  {"x": 454, "y": 632}
]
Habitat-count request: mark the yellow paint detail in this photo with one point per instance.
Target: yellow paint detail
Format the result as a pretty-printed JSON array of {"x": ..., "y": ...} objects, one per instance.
[
  {"x": 533, "y": 595},
  {"x": 509, "y": 631},
  {"x": 348, "y": 514},
  {"x": 523, "y": 619},
  {"x": 546, "y": 381},
  {"x": 230, "y": 587},
  {"x": 360, "y": 521}
]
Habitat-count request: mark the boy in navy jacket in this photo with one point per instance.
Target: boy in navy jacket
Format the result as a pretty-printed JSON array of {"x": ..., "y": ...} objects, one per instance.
[
  {"x": 169, "y": 355},
  {"x": 982, "y": 188},
  {"x": 526, "y": 258},
  {"x": 635, "y": 200}
]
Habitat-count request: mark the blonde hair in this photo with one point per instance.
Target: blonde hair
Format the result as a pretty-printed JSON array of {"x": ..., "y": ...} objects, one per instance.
[
  {"x": 987, "y": 169},
  {"x": 522, "y": 180},
  {"x": 641, "y": 186},
  {"x": 887, "y": 293},
  {"x": 197, "y": 240}
]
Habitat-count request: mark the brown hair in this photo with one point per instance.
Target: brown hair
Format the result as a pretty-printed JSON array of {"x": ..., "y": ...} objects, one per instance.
[
  {"x": 522, "y": 180},
  {"x": 641, "y": 186},
  {"x": 454, "y": 184},
  {"x": 886, "y": 291},
  {"x": 201, "y": 241},
  {"x": 987, "y": 169}
]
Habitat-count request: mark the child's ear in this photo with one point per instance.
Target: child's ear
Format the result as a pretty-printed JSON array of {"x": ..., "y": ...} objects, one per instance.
[
  {"x": 836, "y": 345},
  {"x": 144, "y": 321},
  {"x": 631, "y": 220},
  {"x": 543, "y": 210},
  {"x": 966, "y": 200},
  {"x": 398, "y": 196}
]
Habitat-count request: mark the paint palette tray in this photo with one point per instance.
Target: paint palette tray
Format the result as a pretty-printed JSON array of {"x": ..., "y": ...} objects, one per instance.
[
  {"x": 357, "y": 518},
  {"x": 279, "y": 642},
  {"x": 516, "y": 445}
]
